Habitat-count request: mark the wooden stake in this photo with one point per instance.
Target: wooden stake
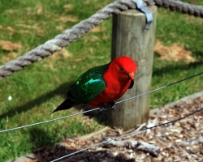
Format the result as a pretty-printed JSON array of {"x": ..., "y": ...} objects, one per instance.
[{"x": 130, "y": 38}]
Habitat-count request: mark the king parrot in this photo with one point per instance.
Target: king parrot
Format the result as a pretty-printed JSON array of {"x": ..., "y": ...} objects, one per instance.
[{"x": 100, "y": 86}]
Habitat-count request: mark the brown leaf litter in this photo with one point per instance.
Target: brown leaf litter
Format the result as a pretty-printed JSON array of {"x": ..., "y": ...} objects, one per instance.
[
  {"x": 12, "y": 30},
  {"x": 64, "y": 53},
  {"x": 10, "y": 56},
  {"x": 9, "y": 46},
  {"x": 174, "y": 52},
  {"x": 68, "y": 7},
  {"x": 59, "y": 55},
  {"x": 179, "y": 141},
  {"x": 97, "y": 29},
  {"x": 65, "y": 19},
  {"x": 39, "y": 9}
]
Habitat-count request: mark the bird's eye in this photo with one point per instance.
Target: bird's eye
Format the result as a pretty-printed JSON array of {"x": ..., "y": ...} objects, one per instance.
[{"x": 121, "y": 69}]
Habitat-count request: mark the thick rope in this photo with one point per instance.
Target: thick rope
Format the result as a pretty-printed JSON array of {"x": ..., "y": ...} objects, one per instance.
[
  {"x": 182, "y": 7},
  {"x": 64, "y": 39},
  {"x": 70, "y": 35}
]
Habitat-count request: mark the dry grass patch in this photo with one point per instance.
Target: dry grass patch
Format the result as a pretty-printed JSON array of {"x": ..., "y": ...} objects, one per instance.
[
  {"x": 9, "y": 46},
  {"x": 175, "y": 52}
]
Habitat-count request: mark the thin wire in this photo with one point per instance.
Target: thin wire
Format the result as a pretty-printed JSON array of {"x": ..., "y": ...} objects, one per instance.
[
  {"x": 124, "y": 100},
  {"x": 127, "y": 99},
  {"x": 128, "y": 134},
  {"x": 68, "y": 155},
  {"x": 47, "y": 121},
  {"x": 160, "y": 88}
]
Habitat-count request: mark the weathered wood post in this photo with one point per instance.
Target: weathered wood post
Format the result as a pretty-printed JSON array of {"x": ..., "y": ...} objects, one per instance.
[{"x": 130, "y": 38}]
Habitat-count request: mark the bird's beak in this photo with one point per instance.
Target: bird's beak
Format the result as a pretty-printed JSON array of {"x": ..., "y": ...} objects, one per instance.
[{"x": 132, "y": 75}]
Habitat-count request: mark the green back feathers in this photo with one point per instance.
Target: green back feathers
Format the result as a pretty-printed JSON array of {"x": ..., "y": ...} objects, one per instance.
[{"x": 88, "y": 86}]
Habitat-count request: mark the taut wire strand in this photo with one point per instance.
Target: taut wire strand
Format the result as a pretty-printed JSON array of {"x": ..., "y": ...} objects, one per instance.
[
  {"x": 83, "y": 112},
  {"x": 47, "y": 121}
]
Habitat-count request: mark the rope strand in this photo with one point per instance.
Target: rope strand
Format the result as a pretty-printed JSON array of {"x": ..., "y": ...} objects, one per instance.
[{"x": 70, "y": 35}]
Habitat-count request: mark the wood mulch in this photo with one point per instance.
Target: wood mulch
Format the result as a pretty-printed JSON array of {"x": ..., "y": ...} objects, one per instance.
[{"x": 179, "y": 141}]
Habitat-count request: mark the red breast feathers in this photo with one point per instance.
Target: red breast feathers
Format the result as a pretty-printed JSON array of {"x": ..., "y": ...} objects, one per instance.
[{"x": 118, "y": 78}]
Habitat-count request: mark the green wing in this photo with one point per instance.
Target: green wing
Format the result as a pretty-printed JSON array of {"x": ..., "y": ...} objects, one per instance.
[{"x": 88, "y": 86}]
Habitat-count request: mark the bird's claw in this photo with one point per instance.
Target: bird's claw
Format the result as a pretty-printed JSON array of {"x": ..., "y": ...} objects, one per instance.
[
  {"x": 105, "y": 106},
  {"x": 112, "y": 105},
  {"x": 102, "y": 107}
]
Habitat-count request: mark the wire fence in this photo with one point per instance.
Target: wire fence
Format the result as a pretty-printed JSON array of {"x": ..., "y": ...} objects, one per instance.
[
  {"x": 94, "y": 109},
  {"x": 139, "y": 130}
]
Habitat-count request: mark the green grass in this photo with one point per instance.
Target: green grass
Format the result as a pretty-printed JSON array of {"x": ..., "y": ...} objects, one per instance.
[{"x": 39, "y": 88}]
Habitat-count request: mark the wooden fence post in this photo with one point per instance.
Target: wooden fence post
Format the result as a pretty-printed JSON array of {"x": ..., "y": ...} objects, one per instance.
[{"x": 130, "y": 38}]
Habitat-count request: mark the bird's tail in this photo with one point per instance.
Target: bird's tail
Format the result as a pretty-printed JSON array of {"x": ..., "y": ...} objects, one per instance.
[{"x": 67, "y": 104}]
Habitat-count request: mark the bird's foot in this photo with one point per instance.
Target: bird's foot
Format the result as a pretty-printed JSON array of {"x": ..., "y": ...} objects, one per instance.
[
  {"x": 112, "y": 105},
  {"x": 102, "y": 107}
]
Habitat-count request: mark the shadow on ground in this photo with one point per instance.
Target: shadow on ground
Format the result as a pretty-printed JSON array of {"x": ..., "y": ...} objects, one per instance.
[
  {"x": 39, "y": 138},
  {"x": 60, "y": 90},
  {"x": 46, "y": 154},
  {"x": 173, "y": 66}
]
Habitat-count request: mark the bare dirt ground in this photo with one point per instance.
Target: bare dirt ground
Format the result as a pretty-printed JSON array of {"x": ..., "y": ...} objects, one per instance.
[{"x": 178, "y": 141}]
